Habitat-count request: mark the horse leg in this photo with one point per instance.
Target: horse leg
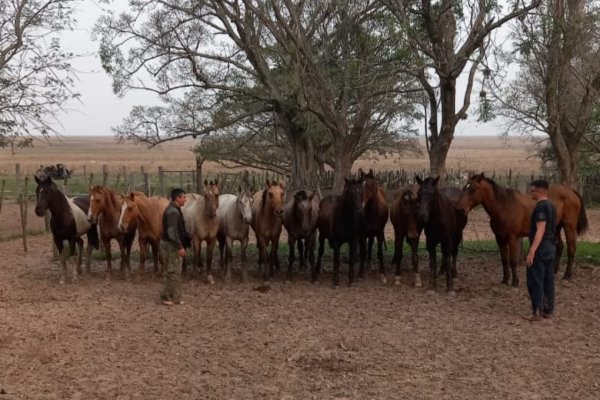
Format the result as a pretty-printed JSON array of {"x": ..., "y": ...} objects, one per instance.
[
  {"x": 143, "y": 244},
  {"x": 196, "y": 259},
  {"x": 362, "y": 251},
  {"x": 397, "y": 258},
  {"x": 336, "y": 264},
  {"x": 63, "y": 262},
  {"x": 447, "y": 250},
  {"x": 301, "y": 255},
  {"x": 275, "y": 253},
  {"x": 155, "y": 257},
  {"x": 380, "y": 239},
  {"x": 352, "y": 247},
  {"x": 72, "y": 260},
  {"x": 228, "y": 242},
  {"x": 210, "y": 246},
  {"x": 317, "y": 267},
  {"x": 291, "y": 257},
  {"x": 310, "y": 250},
  {"x": 504, "y": 256},
  {"x": 571, "y": 248},
  {"x": 222, "y": 254},
  {"x": 414, "y": 250},
  {"x": 108, "y": 254},
  {"x": 371, "y": 240},
  {"x": 432, "y": 264},
  {"x": 124, "y": 259},
  {"x": 244, "y": 245},
  {"x": 260, "y": 243},
  {"x": 514, "y": 257},
  {"x": 88, "y": 257},
  {"x": 79, "y": 242}
]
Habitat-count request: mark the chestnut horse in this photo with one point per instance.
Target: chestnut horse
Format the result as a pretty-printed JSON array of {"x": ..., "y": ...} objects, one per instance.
[
  {"x": 443, "y": 221},
  {"x": 300, "y": 215},
  {"x": 68, "y": 222},
  {"x": 105, "y": 209},
  {"x": 376, "y": 213},
  {"x": 146, "y": 213},
  {"x": 510, "y": 217},
  {"x": 267, "y": 212},
  {"x": 235, "y": 215},
  {"x": 340, "y": 220},
  {"x": 404, "y": 218},
  {"x": 202, "y": 224}
]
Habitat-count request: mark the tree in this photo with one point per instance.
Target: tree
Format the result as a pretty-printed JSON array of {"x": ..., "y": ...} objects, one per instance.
[
  {"x": 557, "y": 89},
  {"x": 236, "y": 61},
  {"x": 35, "y": 75},
  {"x": 446, "y": 37}
]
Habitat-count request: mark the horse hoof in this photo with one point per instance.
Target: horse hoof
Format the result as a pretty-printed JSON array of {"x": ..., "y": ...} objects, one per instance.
[
  {"x": 383, "y": 279},
  {"x": 397, "y": 280},
  {"x": 430, "y": 292},
  {"x": 451, "y": 294},
  {"x": 61, "y": 282},
  {"x": 210, "y": 280},
  {"x": 418, "y": 282}
]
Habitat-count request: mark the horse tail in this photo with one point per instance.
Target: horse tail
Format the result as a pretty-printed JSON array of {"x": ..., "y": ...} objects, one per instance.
[
  {"x": 582, "y": 220},
  {"x": 93, "y": 239}
]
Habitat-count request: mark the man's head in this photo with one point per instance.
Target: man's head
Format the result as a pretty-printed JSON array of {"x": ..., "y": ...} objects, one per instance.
[
  {"x": 539, "y": 188},
  {"x": 178, "y": 196}
]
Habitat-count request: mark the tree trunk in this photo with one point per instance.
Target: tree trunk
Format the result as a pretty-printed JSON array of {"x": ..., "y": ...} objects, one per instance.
[
  {"x": 304, "y": 166},
  {"x": 440, "y": 143},
  {"x": 566, "y": 159},
  {"x": 343, "y": 166}
]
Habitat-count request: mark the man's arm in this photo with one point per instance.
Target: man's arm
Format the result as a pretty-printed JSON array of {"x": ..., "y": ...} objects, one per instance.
[{"x": 540, "y": 228}]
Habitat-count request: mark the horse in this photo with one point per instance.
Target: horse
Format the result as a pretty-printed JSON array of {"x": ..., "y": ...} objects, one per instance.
[
  {"x": 202, "y": 224},
  {"x": 68, "y": 222},
  {"x": 404, "y": 218},
  {"x": 145, "y": 213},
  {"x": 443, "y": 221},
  {"x": 105, "y": 209},
  {"x": 300, "y": 215},
  {"x": 267, "y": 213},
  {"x": 510, "y": 216},
  {"x": 376, "y": 214},
  {"x": 234, "y": 215},
  {"x": 340, "y": 220}
]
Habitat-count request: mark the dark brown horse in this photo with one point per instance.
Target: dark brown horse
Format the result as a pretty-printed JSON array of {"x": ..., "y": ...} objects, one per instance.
[
  {"x": 340, "y": 220},
  {"x": 68, "y": 222},
  {"x": 105, "y": 209},
  {"x": 443, "y": 221},
  {"x": 404, "y": 218},
  {"x": 300, "y": 215},
  {"x": 510, "y": 215},
  {"x": 376, "y": 213}
]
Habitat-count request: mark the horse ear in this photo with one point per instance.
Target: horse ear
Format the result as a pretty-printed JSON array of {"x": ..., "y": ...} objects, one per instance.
[
  {"x": 239, "y": 189},
  {"x": 418, "y": 179},
  {"x": 216, "y": 183},
  {"x": 346, "y": 180},
  {"x": 361, "y": 173},
  {"x": 371, "y": 174},
  {"x": 435, "y": 181},
  {"x": 37, "y": 180},
  {"x": 131, "y": 196},
  {"x": 206, "y": 182},
  {"x": 282, "y": 185},
  {"x": 479, "y": 177}
]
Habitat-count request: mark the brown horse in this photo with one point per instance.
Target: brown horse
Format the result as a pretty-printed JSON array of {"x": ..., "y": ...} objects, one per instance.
[
  {"x": 376, "y": 213},
  {"x": 267, "y": 213},
  {"x": 300, "y": 215},
  {"x": 105, "y": 209},
  {"x": 510, "y": 214},
  {"x": 202, "y": 224},
  {"x": 146, "y": 213},
  {"x": 404, "y": 218}
]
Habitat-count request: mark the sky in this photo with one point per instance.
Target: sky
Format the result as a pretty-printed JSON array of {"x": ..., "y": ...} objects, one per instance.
[{"x": 99, "y": 109}]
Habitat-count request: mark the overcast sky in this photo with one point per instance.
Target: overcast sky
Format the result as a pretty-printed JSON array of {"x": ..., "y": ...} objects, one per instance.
[{"x": 100, "y": 109}]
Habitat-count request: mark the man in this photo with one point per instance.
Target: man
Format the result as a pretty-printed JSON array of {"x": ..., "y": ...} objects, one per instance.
[
  {"x": 542, "y": 251},
  {"x": 172, "y": 248}
]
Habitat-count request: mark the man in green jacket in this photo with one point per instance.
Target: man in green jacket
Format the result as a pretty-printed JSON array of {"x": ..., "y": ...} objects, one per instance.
[{"x": 172, "y": 248}]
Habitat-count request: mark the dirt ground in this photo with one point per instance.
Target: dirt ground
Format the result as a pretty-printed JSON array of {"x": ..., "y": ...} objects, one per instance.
[{"x": 112, "y": 340}]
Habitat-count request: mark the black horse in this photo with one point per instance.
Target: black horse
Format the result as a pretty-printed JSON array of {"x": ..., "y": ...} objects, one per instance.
[
  {"x": 443, "y": 221},
  {"x": 340, "y": 220},
  {"x": 68, "y": 223}
]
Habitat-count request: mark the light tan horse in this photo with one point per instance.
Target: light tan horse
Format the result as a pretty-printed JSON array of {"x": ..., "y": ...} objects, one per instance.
[
  {"x": 510, "y": 217},
  {"x": 202, "y": 224},
  {"x": 105, "y": 209},
  {"x": 267, "y": 213},
  {"x": 146, "y": 213}
]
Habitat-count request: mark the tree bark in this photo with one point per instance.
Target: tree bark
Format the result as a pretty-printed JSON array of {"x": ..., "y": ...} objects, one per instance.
[
  {"x": 344, "y": 161},
  {"x": 440, "y": 143}
]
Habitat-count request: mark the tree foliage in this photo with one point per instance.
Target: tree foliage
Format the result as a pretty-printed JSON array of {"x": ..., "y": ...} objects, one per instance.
[{"x": 35, "y": 74}]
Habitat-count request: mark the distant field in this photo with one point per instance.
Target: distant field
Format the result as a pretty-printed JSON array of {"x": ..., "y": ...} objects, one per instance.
[{"x": 473, "y": 153}]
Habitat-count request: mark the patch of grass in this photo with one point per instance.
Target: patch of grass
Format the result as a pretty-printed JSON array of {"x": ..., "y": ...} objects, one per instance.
[{"x": 15, "y": 236}]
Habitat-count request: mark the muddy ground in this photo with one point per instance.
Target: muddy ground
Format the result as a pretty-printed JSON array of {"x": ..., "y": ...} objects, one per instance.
[{"x": 112, "y": 340}]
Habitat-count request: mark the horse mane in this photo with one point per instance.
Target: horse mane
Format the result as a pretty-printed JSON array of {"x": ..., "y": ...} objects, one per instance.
[
  {"x": 264, "y": 199},
  {"x": 505, "y": 195}
]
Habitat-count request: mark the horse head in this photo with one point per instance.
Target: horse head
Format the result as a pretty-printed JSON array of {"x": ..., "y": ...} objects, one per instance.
[
  {"x": 410, "y": 207},
  {"x": 129, "y": 212},
  {"x": 43, "y": 192},
  {"x": 426, "y": 194},
  {"x": 370, "y": 186},
  {"x": 274, "y": 196},
  {"x": 352, "y": 197},
  {"x": 244, "y": 203},
  {"x": 97, "y": 203},
  {"x": 473, "y": 193},
  {"x": 303, "y": 211},
  {"x": 211, "y": 198}
]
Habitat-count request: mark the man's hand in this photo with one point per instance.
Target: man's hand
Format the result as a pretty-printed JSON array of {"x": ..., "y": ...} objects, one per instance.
[
  {"x": 181, "y": 252},
  {"x": 529, "y": 259}
]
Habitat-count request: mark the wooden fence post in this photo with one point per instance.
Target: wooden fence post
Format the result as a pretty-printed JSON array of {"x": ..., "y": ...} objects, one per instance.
[
  {"x": 18, "y": 179},
  {"x": 131, "y": 183},
  {"x": 104, "y": 175},
  {"x": 2, "y": 193},
  {"x": 146, "y": 184},
  {"x": 23, "y": 210},
  {"x": 161, "y": 181}
]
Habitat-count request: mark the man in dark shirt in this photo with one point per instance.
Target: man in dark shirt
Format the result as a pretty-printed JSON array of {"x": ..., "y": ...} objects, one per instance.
[
  {"x": 542, "y": 251},
  {"x": 172, "y": 249}
]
